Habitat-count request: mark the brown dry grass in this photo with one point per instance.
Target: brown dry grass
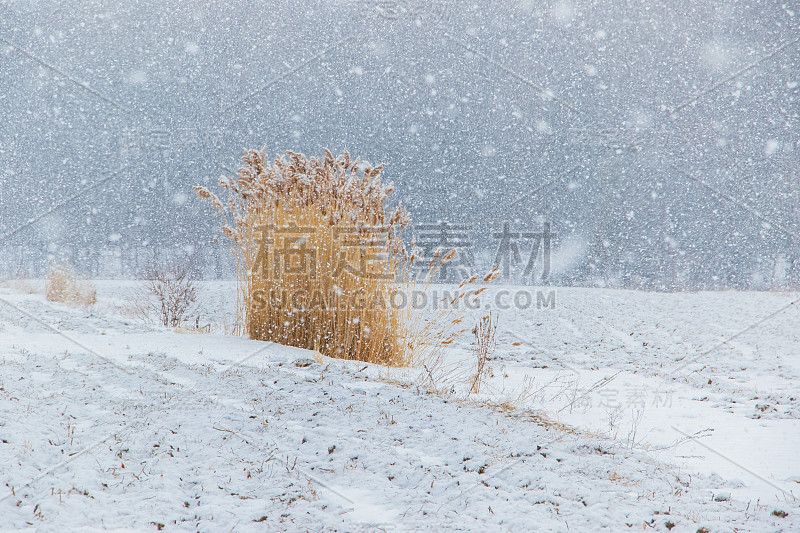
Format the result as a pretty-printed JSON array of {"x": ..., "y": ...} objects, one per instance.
[
  {"x": 63, "y": 286},
  {"x": 324, "y": 306},
  {"x": 485, "y": 343},
  {"x": 22, "y": 285},
  {"x": 433, "y": 332},
  {"x": 322, "y": 206},
  {"x": 331, "y": 211}
]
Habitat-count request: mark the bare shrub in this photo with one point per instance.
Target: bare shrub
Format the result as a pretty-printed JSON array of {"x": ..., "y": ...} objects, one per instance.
[
  {"x": 63, "y": 286},
  {"x": 169, "y": 292}
]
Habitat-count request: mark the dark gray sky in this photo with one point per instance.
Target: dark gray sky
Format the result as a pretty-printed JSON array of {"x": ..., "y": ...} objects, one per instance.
[{"x": 661, "y": 140}]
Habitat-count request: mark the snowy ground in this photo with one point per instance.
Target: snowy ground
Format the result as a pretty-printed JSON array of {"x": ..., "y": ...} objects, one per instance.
[{"x": 108, "y": 423}]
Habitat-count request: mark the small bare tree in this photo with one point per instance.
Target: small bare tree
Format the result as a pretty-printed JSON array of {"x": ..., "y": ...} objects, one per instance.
[{"x": 170, "y": 291}]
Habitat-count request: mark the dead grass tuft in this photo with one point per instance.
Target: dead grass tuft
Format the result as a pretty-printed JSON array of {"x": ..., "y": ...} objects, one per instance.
[
  {"x": 322, "y": 264},
  {"x": 327, "y": 215},
  {"x": 63, "y": 286},
  {"x": 21, "y": 285}
]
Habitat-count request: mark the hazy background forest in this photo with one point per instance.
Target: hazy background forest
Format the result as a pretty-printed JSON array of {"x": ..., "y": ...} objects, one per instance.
[{"x": 660, "y": 141}]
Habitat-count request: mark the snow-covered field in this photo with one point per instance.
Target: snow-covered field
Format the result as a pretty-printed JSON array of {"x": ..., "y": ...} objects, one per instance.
[{"x": 616, "y": 410}]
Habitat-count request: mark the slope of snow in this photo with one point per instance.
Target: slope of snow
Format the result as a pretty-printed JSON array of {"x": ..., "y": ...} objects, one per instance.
[{"x": 106, "y": 423}]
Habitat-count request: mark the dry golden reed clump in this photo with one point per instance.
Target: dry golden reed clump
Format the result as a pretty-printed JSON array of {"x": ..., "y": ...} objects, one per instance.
[
  {"x": 321, "y": 262},
  {"x": 64, "y": 287},
  {"x": 317, "y": 254}
]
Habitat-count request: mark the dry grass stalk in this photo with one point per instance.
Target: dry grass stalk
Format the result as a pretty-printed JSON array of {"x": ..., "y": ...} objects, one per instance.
[
  {"x": 63, "y": 286},
  {"x": 485, "y": 343},
  {"x": 435, "y": 331}
]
